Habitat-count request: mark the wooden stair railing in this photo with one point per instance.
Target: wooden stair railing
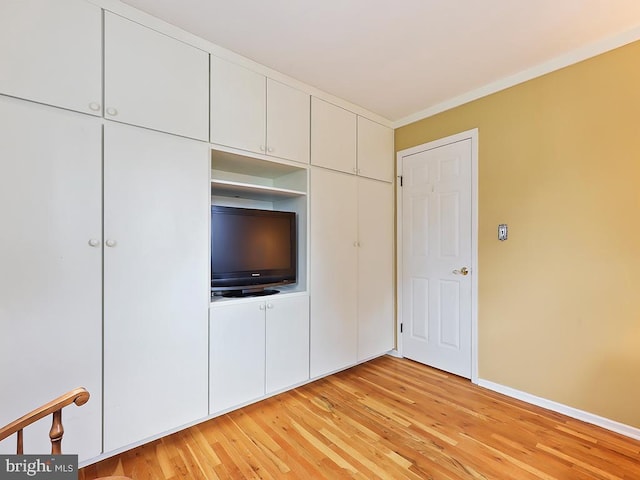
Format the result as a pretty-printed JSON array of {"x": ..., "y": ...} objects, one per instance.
[{"x": 79, "y": 396}]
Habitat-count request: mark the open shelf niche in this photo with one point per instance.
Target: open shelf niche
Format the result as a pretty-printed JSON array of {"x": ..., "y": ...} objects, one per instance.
[{"x": 243, "y": 181}]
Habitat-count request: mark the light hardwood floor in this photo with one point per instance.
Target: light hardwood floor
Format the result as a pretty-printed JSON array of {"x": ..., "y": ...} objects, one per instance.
[{"x": 389, "y": 418}]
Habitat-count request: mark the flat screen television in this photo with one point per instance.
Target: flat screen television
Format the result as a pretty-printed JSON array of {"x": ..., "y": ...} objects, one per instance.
[{"x": 251, "y": 250}]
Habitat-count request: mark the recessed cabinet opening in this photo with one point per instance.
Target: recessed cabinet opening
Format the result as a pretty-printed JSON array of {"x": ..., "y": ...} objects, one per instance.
[{"x": 253, "y": 183}]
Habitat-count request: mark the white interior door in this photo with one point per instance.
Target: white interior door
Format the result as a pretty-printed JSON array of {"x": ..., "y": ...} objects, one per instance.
[{"x": 437, "y": 255}]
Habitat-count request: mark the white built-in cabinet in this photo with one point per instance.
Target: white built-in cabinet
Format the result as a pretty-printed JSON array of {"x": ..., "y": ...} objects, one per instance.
[
  {"x": 351, "y": 270},
  {"x": 333, "y": 136},
  {"x": 51, "y": 270},
  {"x": 375, "y": 268},
  {"x": 333, "y": 271},
  {"x": 156, "y": 275},
  {"x": 287, "y": 342},
  {"x": 258, "y": 347},
  {"x": 105, "y": 198},
  {"x": 375, "y": 150},
  {"x": 51, "y": 52},
  {"x": 350, "y": 143},
  {"x": 153, "y": 80},
  {"x": 257, "y": 114}
]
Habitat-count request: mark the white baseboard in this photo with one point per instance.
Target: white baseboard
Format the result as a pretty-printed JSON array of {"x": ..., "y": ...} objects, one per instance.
[{"x": 606, "y": 423}]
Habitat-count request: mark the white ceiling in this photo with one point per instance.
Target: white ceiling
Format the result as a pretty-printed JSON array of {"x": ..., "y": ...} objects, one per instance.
[{"x": 399, "y": 57}]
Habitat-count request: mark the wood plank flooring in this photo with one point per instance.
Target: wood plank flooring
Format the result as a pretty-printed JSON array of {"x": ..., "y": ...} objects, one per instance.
[{"x": 390, "y": 419}]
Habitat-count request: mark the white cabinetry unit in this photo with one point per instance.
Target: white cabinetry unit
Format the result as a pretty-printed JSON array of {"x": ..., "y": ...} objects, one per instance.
[
  {"x": 154, "y": 81},
  {"x": 50, "y": 274},
  {"x": 237, "y": 354},
  {"x": 51, "y": 52},
  {"x": 238, "y": 106},
  {"x": 287, "y": 341},
  {"x": 351, "y": 270},
  {"x": 253, "y": 113},
  {"x": 375, "y": 150},
  {"x": 375, "y": 268},
  {"x": 333, "y": 269},
  {"x": 257, "y": 347},
  {"x": 344, "y": 141},
  {"x": 333, "y": 137},
  {"x": 288, "y": 120},
  {"x": 156, "y": 294}
]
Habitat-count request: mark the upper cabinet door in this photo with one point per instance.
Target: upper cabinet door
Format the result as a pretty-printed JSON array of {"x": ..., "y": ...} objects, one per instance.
[
  {"x": 155, "y": 81},
  {"x": 333, "y": 137},
  {"x": 51, "y": 53},
  {"x": 238, "y": 106},
  {"x": 375, "y": 150},
  {"x": 288, "y": 117}
]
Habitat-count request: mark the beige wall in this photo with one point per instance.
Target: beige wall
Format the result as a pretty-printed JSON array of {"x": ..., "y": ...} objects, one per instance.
[{"x": 559, "y": 302}]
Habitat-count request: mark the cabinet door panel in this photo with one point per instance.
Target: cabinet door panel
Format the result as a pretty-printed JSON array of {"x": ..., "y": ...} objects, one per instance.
[
  {"x": 375, "y": 150},
  {"x": 50, "y": 276},
  {"x": 156, "y": 210},
  {"x": 333, "y": 137},
  {"x": 287, "y": 352},
  {"x": 288, "y": 117},
  {"x": 237, "y": 354},
  {"x": 333, "y": 271},
  {"x": 155, "y": 81},
  {"x": 51, "y": 52},
  {"x": 238, "y": 106},
  {"x": 375, "y": 268}
]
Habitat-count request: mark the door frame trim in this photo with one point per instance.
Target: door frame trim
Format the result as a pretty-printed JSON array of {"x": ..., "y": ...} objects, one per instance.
[{"x": 466, "y": 135}]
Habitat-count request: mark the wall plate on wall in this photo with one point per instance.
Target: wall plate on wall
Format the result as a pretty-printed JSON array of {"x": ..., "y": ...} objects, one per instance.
[{"x": 503, "y": 232}]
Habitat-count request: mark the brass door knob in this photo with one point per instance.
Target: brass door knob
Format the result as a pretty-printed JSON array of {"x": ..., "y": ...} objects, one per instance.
[{"x": 463, "y": 271}]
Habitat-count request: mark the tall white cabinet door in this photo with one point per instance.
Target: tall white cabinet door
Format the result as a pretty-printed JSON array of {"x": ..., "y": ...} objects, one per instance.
[
  {"x": 51, "y": 52},
  {"x": 288, "y": 122},
  {"x": 375, "y": 150},
  {"x": 333, "y": 271},
  {"x": 238, "y": 106},
  {"x": 154, "y": 81},
  {"x": 287, "y": 342},
  {"x": 156, "y": 285},
  {"x": 375, "y": 268},
  {"x": 333, "y": 137},
  {"x": 50, "y": 274},
  {"x": 237, "y": 354}
]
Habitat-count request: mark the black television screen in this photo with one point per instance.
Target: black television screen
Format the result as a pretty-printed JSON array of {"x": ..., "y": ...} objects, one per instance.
[{"x": 252, "y": 249}]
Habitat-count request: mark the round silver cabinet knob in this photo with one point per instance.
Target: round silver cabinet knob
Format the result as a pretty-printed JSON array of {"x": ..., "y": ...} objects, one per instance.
[
  {"x": 94, "y": 107},
  {"x": 94, "y": 242},
  {"x": 112, "y": 111},
  {"x": 110, "y": 243}
]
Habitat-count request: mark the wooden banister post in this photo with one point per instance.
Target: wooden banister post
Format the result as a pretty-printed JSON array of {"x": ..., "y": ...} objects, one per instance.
[
  {"x": 20, "y": 449},
  {"x": 56, "y": 432}
]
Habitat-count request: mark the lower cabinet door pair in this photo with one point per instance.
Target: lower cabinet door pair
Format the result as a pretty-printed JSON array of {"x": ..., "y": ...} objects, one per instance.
[{"x": 257, "y": 348}]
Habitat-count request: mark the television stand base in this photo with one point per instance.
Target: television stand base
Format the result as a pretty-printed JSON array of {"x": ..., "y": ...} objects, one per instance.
[{"x": 249, "y": 293}]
